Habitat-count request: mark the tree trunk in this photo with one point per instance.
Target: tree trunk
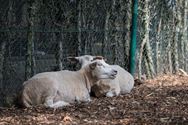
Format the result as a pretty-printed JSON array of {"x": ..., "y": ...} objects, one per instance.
[
  {"x": 106, "y": 33},
  {"x": 5, "y": 45},
  {"x": 126, "y": 8},
  {"x": 2, "y": 58},
  {"x": 169, "y": 55},
  {"x": 30, "y": 59},
  {"x": 79, "y": 50},
  {"x": 91, "y": 39},
  {"x": 148, "y": 54},
  {"x": 157, "y": 45},
  {"x": 185, "y": 30},
  {"x": 145, "y": 37},
  {"x": 84, "y": 24},
  {"x": 114, "y": 31},
  {"x": 180, "y": 34},
  {"x": 59, "y": 53},
  {"x": 113, "y": 53},
  {"x": 176, "y": 23},
  {"x": 148, "y": 74}
]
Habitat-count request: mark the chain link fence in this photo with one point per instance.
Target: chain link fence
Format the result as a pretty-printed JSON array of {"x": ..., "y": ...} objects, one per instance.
[{"x": 71, "y": 28}]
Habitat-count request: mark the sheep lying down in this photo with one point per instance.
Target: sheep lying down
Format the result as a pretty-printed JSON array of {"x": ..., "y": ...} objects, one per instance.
[
  {"x": 57, "y": 89},
  {"x": 122, "y": 84}
]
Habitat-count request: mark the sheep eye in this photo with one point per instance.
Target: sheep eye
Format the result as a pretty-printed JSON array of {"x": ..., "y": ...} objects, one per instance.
[{"x": 99, "y": 64}]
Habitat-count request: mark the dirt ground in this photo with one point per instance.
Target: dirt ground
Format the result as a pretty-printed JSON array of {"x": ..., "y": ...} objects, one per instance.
[{"x": 163, "y": 100}]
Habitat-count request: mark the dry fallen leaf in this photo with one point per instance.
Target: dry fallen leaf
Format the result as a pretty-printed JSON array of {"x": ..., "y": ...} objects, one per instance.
[
  {"x": 67, "y": 118},
  {"x": 3, "y": 123},
  {"x": 162, "y": 100}
]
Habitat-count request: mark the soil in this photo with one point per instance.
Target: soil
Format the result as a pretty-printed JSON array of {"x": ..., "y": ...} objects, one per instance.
[{"x": 163, "y": 100}]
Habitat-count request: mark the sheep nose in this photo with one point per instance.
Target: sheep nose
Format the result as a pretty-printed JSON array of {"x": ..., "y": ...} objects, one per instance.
[{"x": 115, "y": 72}]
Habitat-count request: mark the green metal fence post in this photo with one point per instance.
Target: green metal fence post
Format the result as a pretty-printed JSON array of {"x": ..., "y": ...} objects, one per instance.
[{"x": 133, "y": 37}]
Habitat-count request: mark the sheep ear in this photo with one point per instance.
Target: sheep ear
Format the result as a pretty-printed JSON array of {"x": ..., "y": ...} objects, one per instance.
[
  {"x": 92, "y": 65},
  {"x": 73, "y": 59}
]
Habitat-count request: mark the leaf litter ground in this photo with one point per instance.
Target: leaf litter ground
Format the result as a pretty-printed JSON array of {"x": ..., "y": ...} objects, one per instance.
[{"x": 163, "y": 100}]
